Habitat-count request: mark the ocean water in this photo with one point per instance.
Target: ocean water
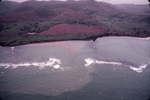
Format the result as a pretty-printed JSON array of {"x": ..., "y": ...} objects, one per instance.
[{"x": 113, "y": 68}]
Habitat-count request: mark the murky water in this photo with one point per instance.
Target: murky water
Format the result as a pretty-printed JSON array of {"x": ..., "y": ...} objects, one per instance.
[{"x": 114, "y": 68}]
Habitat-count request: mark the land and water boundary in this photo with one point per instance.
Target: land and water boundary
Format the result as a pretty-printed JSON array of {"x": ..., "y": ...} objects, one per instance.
[
  {"x": 30, "y": 39},
  {"x": 49, "y": 21}
]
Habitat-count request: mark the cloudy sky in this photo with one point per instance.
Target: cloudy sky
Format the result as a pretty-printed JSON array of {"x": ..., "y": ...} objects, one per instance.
[
  {"x": 128, "y": 1},
  {"x": 109, "y": 1}
]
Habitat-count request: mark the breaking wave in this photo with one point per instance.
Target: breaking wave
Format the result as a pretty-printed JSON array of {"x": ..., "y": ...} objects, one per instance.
[
  {"x": 56, "y": 64},
  {"x": 139, "y": 69},
  {"x": 52, "y": 62},
  {"x": 90, "y": 61}
]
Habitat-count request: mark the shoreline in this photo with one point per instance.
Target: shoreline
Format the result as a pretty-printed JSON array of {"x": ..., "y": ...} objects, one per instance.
[{"x": 58, "y": 42}]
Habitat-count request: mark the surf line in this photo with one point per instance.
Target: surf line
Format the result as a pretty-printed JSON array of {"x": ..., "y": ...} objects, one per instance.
[
  {"x": 53, "y": 62},
  {"x": 90, "y": 61}
]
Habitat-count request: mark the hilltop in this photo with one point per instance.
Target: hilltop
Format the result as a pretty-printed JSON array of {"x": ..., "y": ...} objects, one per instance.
[{"x": 46, "y": 21}]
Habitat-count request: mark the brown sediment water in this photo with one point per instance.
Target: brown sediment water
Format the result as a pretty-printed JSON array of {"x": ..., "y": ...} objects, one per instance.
[{"x": 73, "y": 73}]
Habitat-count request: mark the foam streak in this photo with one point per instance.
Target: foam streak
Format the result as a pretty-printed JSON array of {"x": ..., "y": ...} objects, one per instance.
[
  {"x": 90, "y": 61},
  {"x": 140, "y": 69},
  {"x": 53, "y": 62}
]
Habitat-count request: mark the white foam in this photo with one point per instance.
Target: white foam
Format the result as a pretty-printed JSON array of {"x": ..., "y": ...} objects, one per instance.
[
  {"x": 12, "y": 49},
  {"x": 105, "y": 62},
  {"x": 90, "y": 61},
  {"x": 56, "y": 66},
  {"x": 139, "y": 69},
  {"x": 35, "y": 64},
  {"x": 55, "y": 63},
  {"x": 52, "y": 62},
  {"x": 148, "y": 38}
]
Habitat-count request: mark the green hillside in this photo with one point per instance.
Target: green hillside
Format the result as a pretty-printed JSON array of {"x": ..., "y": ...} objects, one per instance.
[{"x": 38, "y": 16}]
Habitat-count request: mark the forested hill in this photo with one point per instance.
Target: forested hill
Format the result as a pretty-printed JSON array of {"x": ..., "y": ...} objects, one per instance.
[{"x": 45, "y": 21}]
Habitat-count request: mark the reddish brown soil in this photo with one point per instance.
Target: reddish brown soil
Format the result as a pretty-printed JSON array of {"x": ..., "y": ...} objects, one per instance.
[
  {"x": 23, "y": 16},
  {"x": 73, "y": 29}
]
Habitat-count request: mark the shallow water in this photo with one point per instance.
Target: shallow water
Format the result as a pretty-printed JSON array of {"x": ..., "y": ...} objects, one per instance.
[{"x": 114, "y": 68}]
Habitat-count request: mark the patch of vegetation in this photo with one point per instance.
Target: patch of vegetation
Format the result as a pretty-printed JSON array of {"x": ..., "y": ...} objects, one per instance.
[
  {"x": 43, "y": 12},
  {"x": 24, "y": 9},
  {"x": 22, "y": 28},
  {"x": 125, "y": 23},
  {"x": 28, "y": 39},
  {"x": 112, "y": 19},
  {"x": 90, "y": 12}
]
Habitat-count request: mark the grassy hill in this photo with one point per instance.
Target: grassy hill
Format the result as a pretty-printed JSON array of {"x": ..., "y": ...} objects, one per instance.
[{"x": 36, "y": 17}]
